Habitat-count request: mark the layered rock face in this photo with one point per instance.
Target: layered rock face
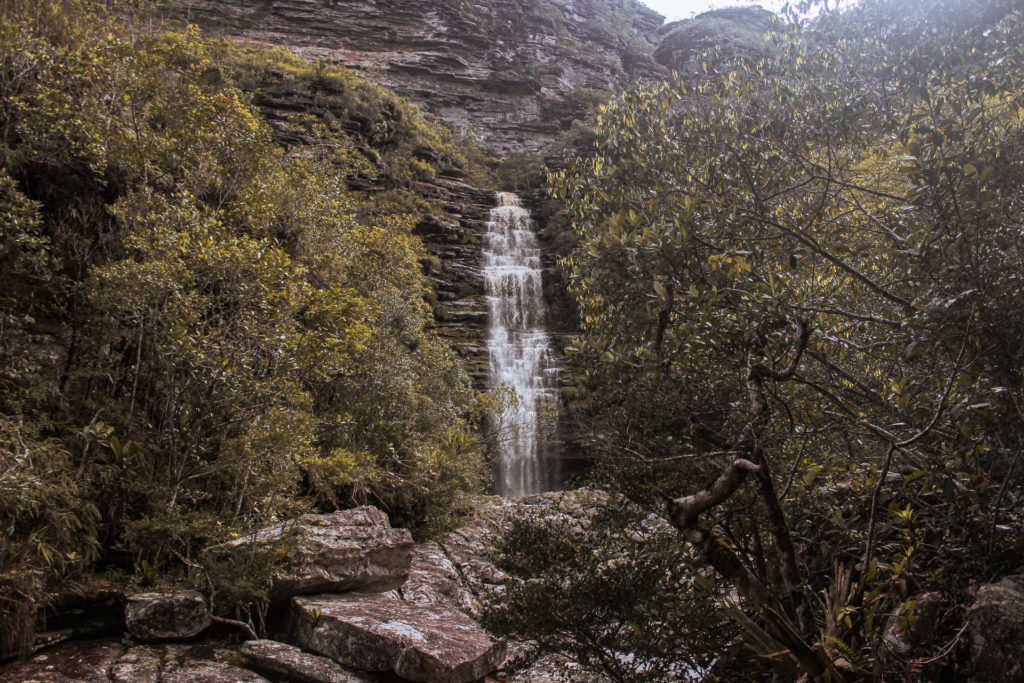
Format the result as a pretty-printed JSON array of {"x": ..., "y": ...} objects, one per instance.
[
  {"x": 514, "y": 70},
  {"x": 739, "y": 34},
  {"x": 454, "y": 241}
]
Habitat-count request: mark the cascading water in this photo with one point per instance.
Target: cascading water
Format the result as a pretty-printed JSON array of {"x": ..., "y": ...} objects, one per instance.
[{"x": 520, "y": 350}]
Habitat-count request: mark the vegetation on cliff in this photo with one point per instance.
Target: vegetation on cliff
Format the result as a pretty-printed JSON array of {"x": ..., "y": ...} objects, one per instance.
[
  {"x": 799, "y": 291},
  {"x": 202, "y": 332}
]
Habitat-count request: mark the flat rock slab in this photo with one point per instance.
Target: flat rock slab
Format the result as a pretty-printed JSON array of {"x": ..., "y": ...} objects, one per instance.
[
  {"x": 434, "y": 580},
  {"x": 341, "y": 551},
  {"x": 211, "y": 672},
  {"x": 108, "y": 662},
  {"x": 379, "y": 633},
  {"x": 159, "y": 616},
  {"x": 72, "y": 663},
  {"x": 176, "y": 663},
  {"x": 279, "y": 659}
]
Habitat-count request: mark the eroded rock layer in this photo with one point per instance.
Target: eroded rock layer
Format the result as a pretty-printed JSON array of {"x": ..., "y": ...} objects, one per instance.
[{"x": 516, "y": 70}]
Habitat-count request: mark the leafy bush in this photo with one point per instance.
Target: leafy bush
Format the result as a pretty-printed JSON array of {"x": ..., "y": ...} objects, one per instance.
[
  {"x": 801, "y": 340},
  {"x": 611, "y": 588},
  {"x": 202, "y": 332}
]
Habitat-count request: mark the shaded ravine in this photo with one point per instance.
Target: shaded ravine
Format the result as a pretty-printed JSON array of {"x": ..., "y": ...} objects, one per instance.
[{"x": 519, "y": 348}]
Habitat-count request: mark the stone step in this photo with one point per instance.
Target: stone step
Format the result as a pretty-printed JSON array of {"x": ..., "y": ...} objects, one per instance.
[
  {"x": 373, "y": 632},
  {"x": 281, "y": 660}
]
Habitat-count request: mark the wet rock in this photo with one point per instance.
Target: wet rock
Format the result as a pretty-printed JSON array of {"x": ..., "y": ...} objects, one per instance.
[
  {"x": 342, "y": 551},
  {"x": 278, "y": 659},
  {"x": 379, "y": 633},
  {"x": 72, "y": 663},
  {"x": 159, "y": 616},
  {"x": 996, "y": 629}
]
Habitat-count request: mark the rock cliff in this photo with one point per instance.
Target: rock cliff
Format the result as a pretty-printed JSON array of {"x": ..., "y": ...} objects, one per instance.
[
  {"x": 737, "y": 33},
  {"x": 517, "y": 71}
]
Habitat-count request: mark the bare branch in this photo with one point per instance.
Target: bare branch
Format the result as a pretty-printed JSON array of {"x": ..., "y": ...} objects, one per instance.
[{"x": 685, "y": 512}]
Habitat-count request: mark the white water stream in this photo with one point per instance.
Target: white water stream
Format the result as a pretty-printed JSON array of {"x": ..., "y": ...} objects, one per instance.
[{"x": 520, "y": 350}]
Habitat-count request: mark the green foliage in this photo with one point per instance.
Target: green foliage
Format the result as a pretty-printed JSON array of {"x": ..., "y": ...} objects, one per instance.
[
  {"x": 203, "y": 333},
  {"x": 48, "y": 528},
  {"x": 615, "y": 591},
  {"x": 811, "y": 265}
]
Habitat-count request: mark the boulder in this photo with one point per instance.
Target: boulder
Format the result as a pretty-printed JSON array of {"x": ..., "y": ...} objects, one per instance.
[
  {"x": 341, "y": 551},
  {"x": 379, "y": 633},
  {"x": 160, "y": 616},
  {"x": 996, "y": 627},
  {"x": 911, "y": 629},
  {"x": 72, "y": 663},
  {"x": 277, "y": 659}
]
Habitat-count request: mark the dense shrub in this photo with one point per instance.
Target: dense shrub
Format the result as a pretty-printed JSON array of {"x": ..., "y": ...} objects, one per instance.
[{"x": 201, "y": 332}]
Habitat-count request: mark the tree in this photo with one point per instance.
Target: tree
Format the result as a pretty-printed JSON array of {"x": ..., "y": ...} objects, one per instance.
[
  {"x": 201, "y": 331},
  {"x": 799, "y": 278}
]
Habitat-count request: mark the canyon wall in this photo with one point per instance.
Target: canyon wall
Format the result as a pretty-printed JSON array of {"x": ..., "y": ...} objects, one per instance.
[{"x": 516, "y": 71}]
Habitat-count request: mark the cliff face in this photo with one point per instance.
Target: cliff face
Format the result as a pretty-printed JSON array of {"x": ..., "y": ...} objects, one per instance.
[
  {"x": 739, "y": 34},
  {"x": 515, "y": 70}
]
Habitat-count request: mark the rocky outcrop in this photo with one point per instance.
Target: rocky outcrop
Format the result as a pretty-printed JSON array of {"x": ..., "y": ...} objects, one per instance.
[
  {"x": 380, "y": 633},
  {"x": 454, "y": 241},
  {"x": 514, "y": 70},
  {"x": 161, "y": 616},
  {"x": 423, "y": 631},
  {"x": 996, "y": 630},
  {"x": 279, "y": 659},
  {"x": 341, "y": 551},
  {"x": 435, "y": 580},
  {"x": 737, "y": 33}
]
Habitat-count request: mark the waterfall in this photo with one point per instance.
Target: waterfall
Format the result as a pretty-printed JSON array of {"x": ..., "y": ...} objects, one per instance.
[{"x": 520, "y": 350}]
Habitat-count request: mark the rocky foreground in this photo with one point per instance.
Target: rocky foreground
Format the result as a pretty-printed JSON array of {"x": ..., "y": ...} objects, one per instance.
[{"x": 361, "y": 603}]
